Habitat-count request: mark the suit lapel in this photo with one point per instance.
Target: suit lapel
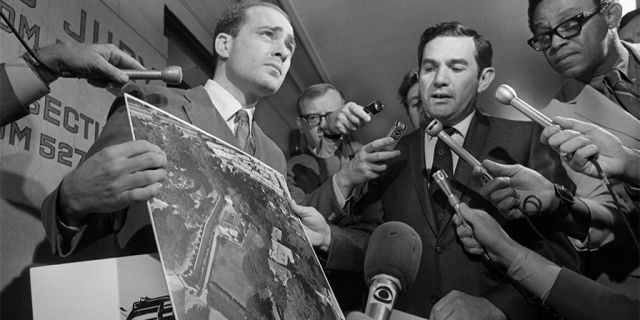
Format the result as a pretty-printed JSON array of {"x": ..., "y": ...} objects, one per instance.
[
  {"x": 591, "y": 105},
  {"x": 416, "y": 163},
  {"x": 203, "y": 114}
]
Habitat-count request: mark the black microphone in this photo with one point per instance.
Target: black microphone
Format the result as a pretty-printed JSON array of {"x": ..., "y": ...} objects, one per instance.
[
  {"x": 390, "y": 265},
  {"x": 170, "y": 74},
  {"x": 434, "y": 129}
]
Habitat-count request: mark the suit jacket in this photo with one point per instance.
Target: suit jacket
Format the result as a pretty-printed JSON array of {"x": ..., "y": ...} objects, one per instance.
[
  {"x": 129, "y": 231},
  {"x": 616, "y": 264},
  {"x": 445, "y": 266},
  {"x": 575, "y": 297}
]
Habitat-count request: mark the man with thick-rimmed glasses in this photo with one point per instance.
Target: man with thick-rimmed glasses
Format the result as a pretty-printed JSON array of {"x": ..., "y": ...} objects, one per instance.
[{"x": 579, "y": 40}]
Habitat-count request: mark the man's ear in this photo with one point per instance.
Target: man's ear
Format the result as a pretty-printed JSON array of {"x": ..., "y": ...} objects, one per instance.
[
  {"x": 222, "y": 45},
  {"x": 486, "y": 77},
  {"x": 299, "y": 123},
  {"x": 612, "y": 15}
]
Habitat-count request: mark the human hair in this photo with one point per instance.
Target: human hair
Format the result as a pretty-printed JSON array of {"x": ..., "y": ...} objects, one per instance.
[
  {"x": 314, "y": 91},
  {"x": 484, "y": 50},
  {"x": 628, "y": 17},
  {"x": 533, "y": 4},
  {"x": 409, "y": 79},
  {"x": 234, "y": 16}
]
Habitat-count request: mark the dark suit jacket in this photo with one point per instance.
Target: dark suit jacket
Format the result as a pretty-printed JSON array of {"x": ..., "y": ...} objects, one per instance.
[
  {"x": 445, "y": 266},
  {"x": 574, "y": 296},
  {"x": 129, "y": 232}
]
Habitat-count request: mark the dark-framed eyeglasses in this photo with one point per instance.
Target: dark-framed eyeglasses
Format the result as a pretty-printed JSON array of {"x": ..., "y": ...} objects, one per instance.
[
  {"x": 566, "y": 30},
  {"x": 314, "y": 119}
]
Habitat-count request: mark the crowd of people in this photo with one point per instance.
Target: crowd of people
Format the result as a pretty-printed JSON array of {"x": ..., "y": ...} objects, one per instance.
[{"x": 545, "y": 210}]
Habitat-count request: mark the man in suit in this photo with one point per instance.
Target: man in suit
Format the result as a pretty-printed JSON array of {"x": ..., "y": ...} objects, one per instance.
[
  {"x": 102, "y": 202},
  {"x": 409, "y": 95},
  {"x": 579, "y": 40},
  {"x": 455, "y": 66},
  {"x": 331, "y": 162},
  {"x": 26, "y": 79}
]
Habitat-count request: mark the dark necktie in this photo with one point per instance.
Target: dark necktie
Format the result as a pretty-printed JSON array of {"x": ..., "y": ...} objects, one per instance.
[
  {"x": 243, "y": 134},
  {"x": 442, "y": 160},
  {"x": 623, "y": 93}
]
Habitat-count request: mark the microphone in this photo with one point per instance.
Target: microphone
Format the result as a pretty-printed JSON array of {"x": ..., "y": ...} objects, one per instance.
[
  {"x": 390, "y": 265},
  {"x": 442, "y": 180},
  {"x": 358, "y": 316},
  {"x": 435, "y": 129},
  {"x": 507, "y": 96},
  {"x": 170, "y": 74}
]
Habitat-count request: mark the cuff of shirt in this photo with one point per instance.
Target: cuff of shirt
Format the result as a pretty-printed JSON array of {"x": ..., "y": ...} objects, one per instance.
[
  {"x": 534, "y": 272},
  {"x": 340, "y": 198},
  {"x": 26, "y": 84}
]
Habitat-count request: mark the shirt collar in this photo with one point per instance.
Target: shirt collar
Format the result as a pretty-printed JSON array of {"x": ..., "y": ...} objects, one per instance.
[
  {"x": 226, "y": 104},
  {"x": 621, "y": 64}
]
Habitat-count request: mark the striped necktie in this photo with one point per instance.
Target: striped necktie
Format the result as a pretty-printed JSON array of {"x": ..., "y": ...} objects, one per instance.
[
  {"x": 243, "y": 133},
  {"x": 622, "y": 92}
]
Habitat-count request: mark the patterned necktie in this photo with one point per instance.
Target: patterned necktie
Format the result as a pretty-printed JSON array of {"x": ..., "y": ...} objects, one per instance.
[
  {"x": 623, "y": 93},
  {"x": 442, "y": 160},
  {"x": 243, "y": 134}
]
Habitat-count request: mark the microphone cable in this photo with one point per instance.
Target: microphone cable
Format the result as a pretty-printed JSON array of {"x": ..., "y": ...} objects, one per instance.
[
  {"x": 25, "y": 45},
  {"x": 621, "y": 212}
]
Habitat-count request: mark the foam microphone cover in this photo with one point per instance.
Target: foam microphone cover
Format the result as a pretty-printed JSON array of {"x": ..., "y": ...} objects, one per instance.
[{"x": 394, "y": 249}]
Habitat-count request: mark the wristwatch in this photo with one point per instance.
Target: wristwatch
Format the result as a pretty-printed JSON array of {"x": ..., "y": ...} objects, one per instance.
[{"x": 566, "y": 198}]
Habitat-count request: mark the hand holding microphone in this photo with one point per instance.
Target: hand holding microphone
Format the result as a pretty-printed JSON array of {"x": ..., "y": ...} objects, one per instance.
[
  {"x": 170, "y": 74},
  {"x": 434, "y": 129},
  {"x": 390, "y": 265},
  {"x": 442, "y": 180}
]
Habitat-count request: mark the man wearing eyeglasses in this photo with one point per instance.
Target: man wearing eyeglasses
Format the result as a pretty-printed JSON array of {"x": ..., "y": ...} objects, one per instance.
[
  {"x": 579, "y": 40},
  {"x": 331, "y": 166}
]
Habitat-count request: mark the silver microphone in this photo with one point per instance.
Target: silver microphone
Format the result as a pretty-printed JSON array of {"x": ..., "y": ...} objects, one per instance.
[
  {"x": 441, "y": 178},
  {"x": 435, "y": 129},
  {"x": 507, "y": 96},
  {"x": 170, "y": 74}
]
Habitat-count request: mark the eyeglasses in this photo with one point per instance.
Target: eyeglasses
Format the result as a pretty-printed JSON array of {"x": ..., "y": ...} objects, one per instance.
[
  {"x": 314, "y": 119},
  {"x": 566, "y": 30}
]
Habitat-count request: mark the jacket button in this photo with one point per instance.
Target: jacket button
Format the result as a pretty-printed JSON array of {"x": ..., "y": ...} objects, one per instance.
[{"x": 439, "y": 249}]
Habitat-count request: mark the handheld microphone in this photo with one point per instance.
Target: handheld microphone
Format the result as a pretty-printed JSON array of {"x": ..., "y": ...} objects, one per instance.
[
  {"x": 373, "y": 107},
  {"x": 507, "y": 96},
  {"x": 170, "y": 74},
  {"x": 358, "y": 316},
  {"x": 390, "y": 265},
  {"x": 442, "y": 180},
  {"x": 434, "y": 129}
]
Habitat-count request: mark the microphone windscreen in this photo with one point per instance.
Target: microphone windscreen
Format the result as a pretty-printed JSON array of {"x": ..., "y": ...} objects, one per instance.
[{"x": 394, "y": 249}]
